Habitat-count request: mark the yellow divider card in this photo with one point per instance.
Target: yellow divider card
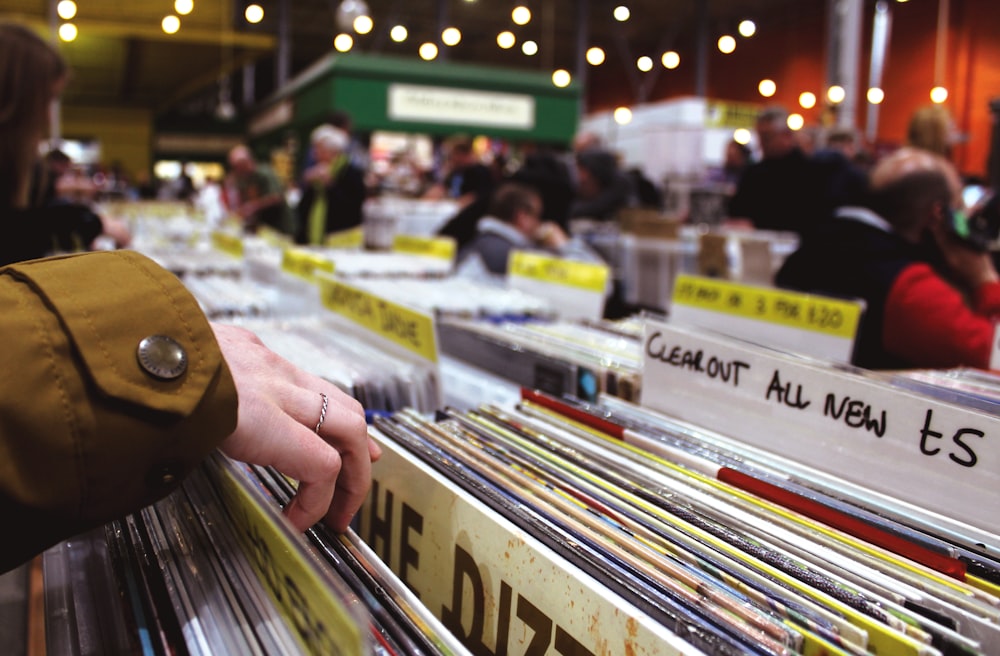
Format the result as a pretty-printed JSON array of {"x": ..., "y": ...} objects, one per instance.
[
  {"x": 553, "y": 270},
  {"x": 442, "y": 248},
  {"x": 575, "y": 290},
  {"x": 321, "y": 621},
  {"x": 406, "y": 327},
  {"x": 812, "y": 325},
  {"x": 304, "y": 263},
  {"x": 352, "y": 238},
  {"x": 228, "y": 243}
]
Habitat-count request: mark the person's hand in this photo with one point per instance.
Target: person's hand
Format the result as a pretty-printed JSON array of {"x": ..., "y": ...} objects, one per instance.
[
  {"x": 973, "y": 268},
  {"x": 279, "y": 408},
  {"x": 118, "y": 231},
  {"x": 550, "y": 235},
  {"x": 318, "y": 173}
]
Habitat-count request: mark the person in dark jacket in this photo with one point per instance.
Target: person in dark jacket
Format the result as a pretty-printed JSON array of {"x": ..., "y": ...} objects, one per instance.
[
  {"x": 788, "y": 190},
  {"x": 333, "y": 189},
  {"x": 932, "y": 301}
]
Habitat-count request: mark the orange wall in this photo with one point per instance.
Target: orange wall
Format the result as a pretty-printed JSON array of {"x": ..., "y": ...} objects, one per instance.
[{"x": 790, "y": 48}]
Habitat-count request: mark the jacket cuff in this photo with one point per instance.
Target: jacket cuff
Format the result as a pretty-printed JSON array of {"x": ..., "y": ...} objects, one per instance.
[{"x": 107, "y": 338}]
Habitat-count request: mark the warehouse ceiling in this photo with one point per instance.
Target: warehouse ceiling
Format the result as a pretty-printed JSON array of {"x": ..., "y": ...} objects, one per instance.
[{"x": 122, "y": 57}]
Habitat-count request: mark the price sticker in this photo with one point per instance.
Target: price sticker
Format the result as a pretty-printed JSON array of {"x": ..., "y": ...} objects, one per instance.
[
  {"x": 353, "y": 238},
  {"x": 553, "y": 270},
  {"x": 304, "y": 264},
  {"x": 439, "y": 247},
  {"x": 228, "y": 243}
]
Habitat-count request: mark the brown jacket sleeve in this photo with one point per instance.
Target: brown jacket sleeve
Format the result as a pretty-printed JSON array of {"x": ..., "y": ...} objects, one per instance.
[{"x": 86, "y": 434}]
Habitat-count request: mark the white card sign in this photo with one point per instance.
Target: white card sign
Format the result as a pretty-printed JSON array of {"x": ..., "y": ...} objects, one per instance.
[{"x": 929, "y": 453}]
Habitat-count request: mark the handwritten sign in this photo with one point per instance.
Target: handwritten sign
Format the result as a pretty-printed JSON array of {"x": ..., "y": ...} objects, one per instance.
[
  {"x": 411, "y": 329},
  {"x": 575, "y": 289},
  {"x": 304, "y": 263},
  {"x": 493, "y": 585},
  {"x": 442, "y": 248},
  {"x": 935, "y": 455},
  {"x": 228, "y": 243},
  {"x": 803, "y": 323},
  {"x": 353, "y": 238},
  {"x": 303, "y": 594}
]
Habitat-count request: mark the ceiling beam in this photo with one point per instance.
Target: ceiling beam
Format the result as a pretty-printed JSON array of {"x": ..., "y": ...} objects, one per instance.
[{"x": 196, "y": 84}]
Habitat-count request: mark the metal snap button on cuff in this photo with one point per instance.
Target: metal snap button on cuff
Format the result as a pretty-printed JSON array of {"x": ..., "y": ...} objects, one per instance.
[{"x": 162, "y": 357}]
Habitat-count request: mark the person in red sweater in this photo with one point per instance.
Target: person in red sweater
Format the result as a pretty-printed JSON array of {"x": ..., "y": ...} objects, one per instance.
[{"x": 932, "y": 300}]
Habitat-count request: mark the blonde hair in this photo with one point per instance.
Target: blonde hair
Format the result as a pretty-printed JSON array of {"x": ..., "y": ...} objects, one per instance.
[
  {"x": 931, "y": 128},
  {"x": 29, "y": 70}
]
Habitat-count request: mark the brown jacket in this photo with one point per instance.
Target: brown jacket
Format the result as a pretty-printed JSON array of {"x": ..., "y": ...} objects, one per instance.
[{"x": 86, "y": 434}]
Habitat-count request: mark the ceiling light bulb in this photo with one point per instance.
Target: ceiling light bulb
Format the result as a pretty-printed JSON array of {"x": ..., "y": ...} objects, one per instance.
[
  {"x": 807, "y": 100},
  {"x": 767, "y": 88},
  {"x": 561, "y": 78},
  {"x": 836, "y": 94},
  {"x": 66, "y": 9},
  {"x": 68, "y": 32},
  {"x": 170, "y": 24},
  {"x": 521, "y": 15},
  {"x": 529, "y": 48},
  {"x": 939, "y": 95},
  {"x": 644, "y": 64},
  {"x": 363, "y": 24},
  {"x": 451, "y": 36},
  {"x": 747, "y": 28},
  {"x": 623, "y": 116},
  {"x": 741, "y": 136},
  {"x": 622, "y": 13},
  {"x": 428, "y": 51},
  {"x": 595, "y": 56},
  {"x": 875, "y": 95},
  {"x": 398, "y": 33},
  {"x": 348, "y": 11},
  {"x": 727, "y": 44},
  {"x": 254, "y": 14},
  {"x": 506, "y": 40},
  {"x": 183, "y": 7},
  {"x": 343, "y": 42},
  {"x": 795, "y": 121},
  {"x": 670, "y": 59}
]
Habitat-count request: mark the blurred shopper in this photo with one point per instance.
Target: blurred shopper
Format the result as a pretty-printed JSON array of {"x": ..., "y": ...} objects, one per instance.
[
  {"x": 786, "y": 190},
  {"x": 602, "y": 189},
  {"x": 735, "y": 161},
  {"x": 33, "y": 220},
  {"x": 468, "y": 181},
  {"x": 333, "y": 189},
  {"x": 545, "y": 172},
  {"x": 514, "y": 222},
  {"x": 259, "y": 195},
  {"x": 932, "y": 301},
  {"x": 932, "y": 129}
]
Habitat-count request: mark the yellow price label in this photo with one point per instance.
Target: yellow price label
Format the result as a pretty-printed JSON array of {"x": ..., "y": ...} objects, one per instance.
[
  {"x": 583, "y": 275},
  {"x": 440, "y": 247},
  {"x": 304, "y": 264},
  {"x": 228, "y": 243},
  {"x": 406, "y": 327},
  {"x": 320, "y": 620},
  {"x": 353, "y": 238},
  {"x": 793, "y": 309},
  {"x": 274, "y": 237}
]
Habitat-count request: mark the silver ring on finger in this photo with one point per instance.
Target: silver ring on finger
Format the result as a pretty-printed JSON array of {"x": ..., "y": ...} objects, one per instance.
[{"x": 322, "y": 412}]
